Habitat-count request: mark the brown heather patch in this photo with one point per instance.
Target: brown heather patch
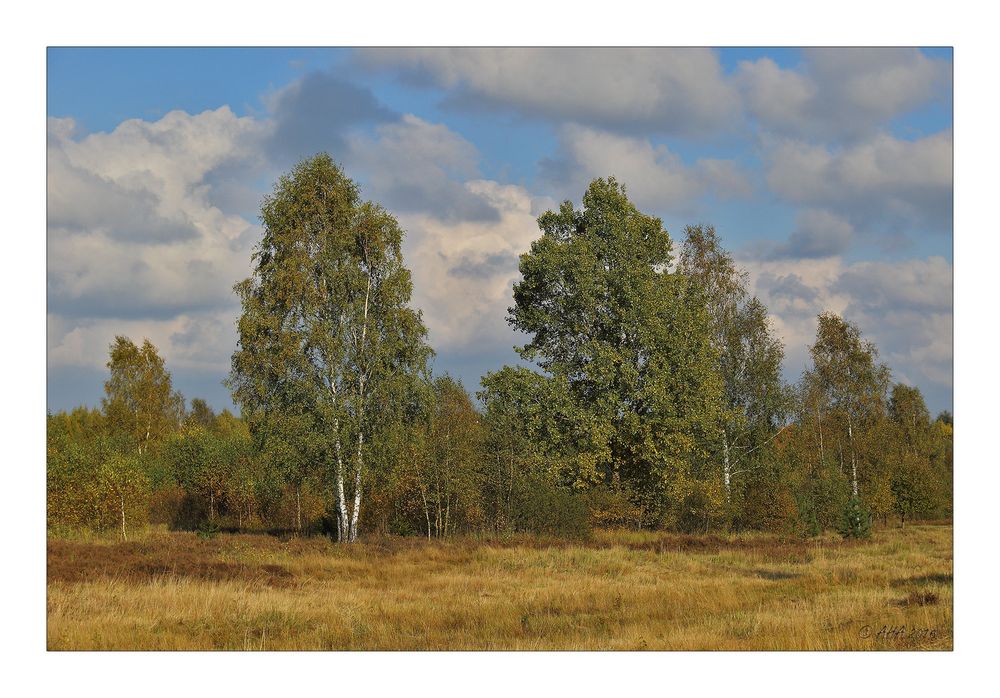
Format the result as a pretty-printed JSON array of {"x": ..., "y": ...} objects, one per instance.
[{"x": 618, "y": 590}]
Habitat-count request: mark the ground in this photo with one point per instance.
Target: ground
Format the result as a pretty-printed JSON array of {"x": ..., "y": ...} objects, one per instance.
[{"x": 618, "y": 590}]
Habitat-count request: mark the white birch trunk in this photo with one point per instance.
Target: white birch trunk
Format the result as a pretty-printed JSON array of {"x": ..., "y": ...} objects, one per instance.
[
  {"x": 854, "y": 464},
  {"x": 124, "y": 537},
  {"x": 427, "y": 511},
  {"x": 359, "y": 463},
  {"x": 357, "y": 491},
  {"x": 726, "y": 471},
  {"x": 342, "y": 520}
]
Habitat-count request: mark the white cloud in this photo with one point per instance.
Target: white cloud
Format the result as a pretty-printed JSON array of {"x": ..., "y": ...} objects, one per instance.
[
  {"x": 188, "y": 341},
  {"x": 413, "y": 165},
  {"x": 840, "y": 92},
  {"x": 136, "y": 245},
  {"x": 655, "y": 177},
  {"x": 904, "y": 307},
  {"x": 818, "y": 233},
  {"x": 463, "y": 271},
  {"x": 883, "y": 180},
  {"x": 666, "y": 90}
]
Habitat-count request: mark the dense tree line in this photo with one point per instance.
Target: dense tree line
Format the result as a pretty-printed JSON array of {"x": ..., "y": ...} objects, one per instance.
[{"x": 655, "y": 401}]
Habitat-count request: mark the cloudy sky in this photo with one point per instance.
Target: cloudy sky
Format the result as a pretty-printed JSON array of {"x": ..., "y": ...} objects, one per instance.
[{"x": 828, "y": 173}]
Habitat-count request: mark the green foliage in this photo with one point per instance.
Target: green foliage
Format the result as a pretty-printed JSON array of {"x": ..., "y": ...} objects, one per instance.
[
  {"x": 755, "y": 399},
  {"x": 207, "y": 530},
  {"x": 541, "y": 506},
  {"x": 916, "y": 491},
  {"x": 93, "y": 474},
  {"x": 848, "y": 387},
  {"x": 139, "y": 399},
  {"x": 630, "y": 340},
  {"x": 822, "y": 497},
  {"x": 615, "y": 507},
  {"x": 856, "y": 520},
  {"x": 764, "y": 500},
  {"x": 448, "y": 467},
  {"x": 326, "y": 331}
]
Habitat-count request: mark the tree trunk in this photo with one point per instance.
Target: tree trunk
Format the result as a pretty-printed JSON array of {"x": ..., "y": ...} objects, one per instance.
[
  {"x": 725, "y": 463},
  {"x": 819, "y": 424},
  {"x": 342, "y": 520},
  {"x": 124, "y": 537},
  {"x": 361, "y": 412},
  {"x": 357, "y": 503},
  {"x": 854, "y": 464},
  {"x": 447, "y": 515},
  {"x": 340, "y": 532},
  {"x": 298, "y": 507},
  {"x": 427, "y": 511}
]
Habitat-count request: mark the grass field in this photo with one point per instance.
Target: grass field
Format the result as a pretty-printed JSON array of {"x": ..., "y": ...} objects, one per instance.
[{"x": 619, "y": 591}]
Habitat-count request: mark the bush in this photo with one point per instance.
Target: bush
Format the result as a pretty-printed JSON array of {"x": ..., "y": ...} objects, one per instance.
[
  {"x": 808, "y": 520},
  {"x": 208, "y": 530},
  {"x": 545, "y": 508},
  {"x": 613, "y": 508},
  {"x": 856, "y": 521},
  {"x": 700, "y": 507}
]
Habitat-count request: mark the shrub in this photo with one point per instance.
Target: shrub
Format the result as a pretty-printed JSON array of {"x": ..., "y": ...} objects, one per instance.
[
  {"x": 545, "y": 508},
  {"x": 856, "y": 521},
  {"x": 613, "y": 508}
]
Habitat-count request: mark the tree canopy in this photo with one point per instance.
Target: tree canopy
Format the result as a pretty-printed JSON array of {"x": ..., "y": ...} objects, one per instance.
[{"x": 326, "y": 325}]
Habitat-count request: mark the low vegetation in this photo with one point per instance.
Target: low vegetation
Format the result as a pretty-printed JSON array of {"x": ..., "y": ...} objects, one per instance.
[{"x": 616, "y": 590}]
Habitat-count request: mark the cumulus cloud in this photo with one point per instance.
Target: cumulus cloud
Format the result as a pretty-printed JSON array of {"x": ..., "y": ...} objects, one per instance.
[
  {"x": 463, "y": 270},
  {"x": 817, "y": 234},
  {"x": 903, "y": 185},
  {"x": 655, "y": 177},
  {"x": 904, "y": 307},
  {"x": 413, "y": 165},
  {"x": 841, "y": 93},
  {"x": 314, "y": 113},
  {"x": 924, "y": 285},
  {"x": 663, "y": 90},
  {"x": 136, "y": 244},
  {"x": 139, "y": 245}
]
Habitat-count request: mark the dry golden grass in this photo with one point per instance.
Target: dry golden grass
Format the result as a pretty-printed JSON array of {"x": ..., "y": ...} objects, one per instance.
[{"x": 618, "y": 591}]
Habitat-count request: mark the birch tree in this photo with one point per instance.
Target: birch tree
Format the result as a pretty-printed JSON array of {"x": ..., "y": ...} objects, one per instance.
[
  {"x": 449, "y": 467},
  {"x": 847, "y": 376},
  {"x": 139, "y": 399},
  {"x": 326, "y": 324},
  {"x": 749, "y": 355}
]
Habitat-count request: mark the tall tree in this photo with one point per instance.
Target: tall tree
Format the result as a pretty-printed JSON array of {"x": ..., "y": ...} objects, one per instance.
[
  {"x": 201, "y": 414},
  {"x": 749, "y": 355},
  {"x": 631, "y": 338},
  {"x": 326, "y": 324},
  {"x": 449, "y": 469},
  {"x": 909, "y": 411},
  {"x": 139, "y": 398},
  {"x": 847, "y": 376}
]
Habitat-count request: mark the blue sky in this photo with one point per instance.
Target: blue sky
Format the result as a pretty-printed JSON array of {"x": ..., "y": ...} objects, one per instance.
[{"x": 826, "y": 172}]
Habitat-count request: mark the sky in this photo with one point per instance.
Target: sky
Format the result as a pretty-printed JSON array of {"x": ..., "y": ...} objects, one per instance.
[{"x": 826, "y": 172}]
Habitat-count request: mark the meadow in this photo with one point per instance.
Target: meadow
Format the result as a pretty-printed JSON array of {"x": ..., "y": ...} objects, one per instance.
[{"x": 616, "y": 590}]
